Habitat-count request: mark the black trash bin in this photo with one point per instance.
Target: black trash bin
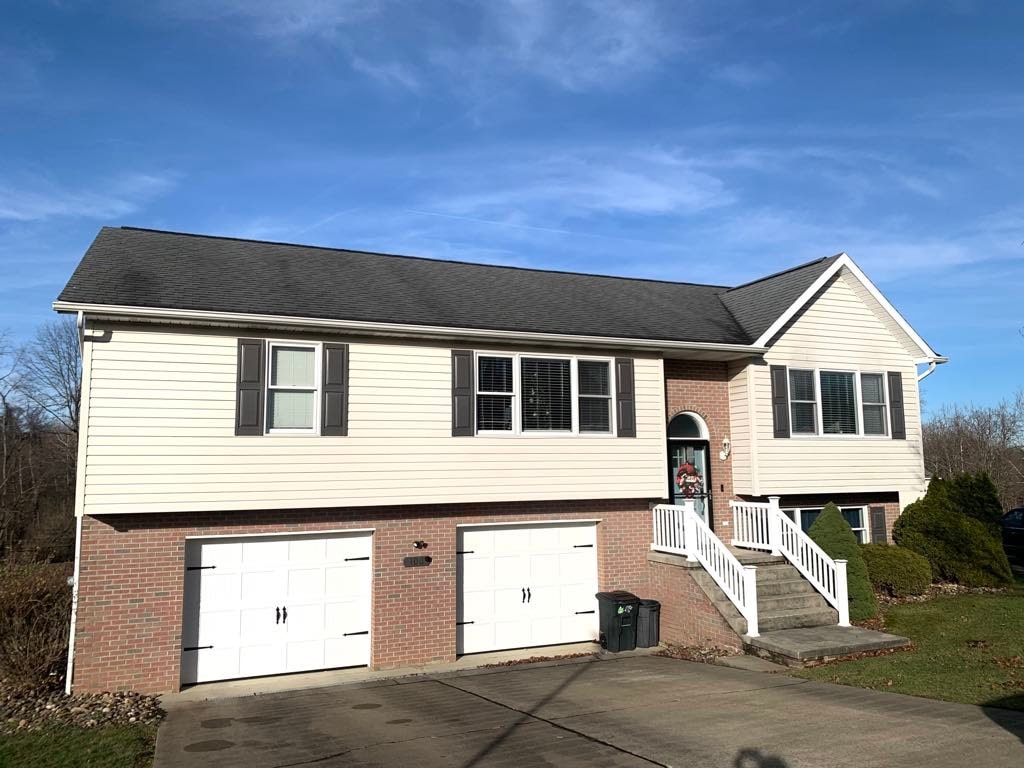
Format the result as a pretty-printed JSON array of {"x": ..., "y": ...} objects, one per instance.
[
  {"x": 618, "y": 620},
  {"x": 648, "y": 624}
]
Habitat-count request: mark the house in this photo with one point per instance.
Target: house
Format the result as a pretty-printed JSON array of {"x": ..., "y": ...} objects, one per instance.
[{"x": 295, "y": 458}]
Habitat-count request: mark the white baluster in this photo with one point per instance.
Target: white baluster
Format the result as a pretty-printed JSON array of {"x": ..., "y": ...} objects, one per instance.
[{"x": 842, "y": 594}]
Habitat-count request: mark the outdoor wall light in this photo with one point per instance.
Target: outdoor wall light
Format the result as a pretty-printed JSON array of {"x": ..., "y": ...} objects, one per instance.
[
  {"x": 418, "y": 544},
  {"x": 726, "y": 449}
]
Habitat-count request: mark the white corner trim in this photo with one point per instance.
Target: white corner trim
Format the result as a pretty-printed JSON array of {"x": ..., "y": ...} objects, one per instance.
[
  {"x": 74, "y": 607},
  {"x": 845, "y": 261},
  {"x": 391, "y": 329}
]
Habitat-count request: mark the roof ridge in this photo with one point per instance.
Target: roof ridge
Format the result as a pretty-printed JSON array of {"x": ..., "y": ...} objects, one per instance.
[
  {"x": 723, "y": 288},
  {"x": 784, "y": 272}
]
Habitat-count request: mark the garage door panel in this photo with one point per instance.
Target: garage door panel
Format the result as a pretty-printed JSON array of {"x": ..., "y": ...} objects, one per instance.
[
  {"x": 557, "y": 563},
  {"x": 231, "y": 606}
]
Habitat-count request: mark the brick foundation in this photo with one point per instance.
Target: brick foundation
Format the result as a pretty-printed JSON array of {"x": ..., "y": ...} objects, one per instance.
[
  {"x": 688, "y": 617},
  {"x": 130, "y": 604}
]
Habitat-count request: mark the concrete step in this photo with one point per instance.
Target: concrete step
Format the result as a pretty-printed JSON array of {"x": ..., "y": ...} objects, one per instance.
[
  {"x": 796, "y": 647},
  {"x": 781, "y": 572},
  {"x": 797, "y": 586},
  {"x": 795, "y": 619},
  {"x": 782, "y": 603}
]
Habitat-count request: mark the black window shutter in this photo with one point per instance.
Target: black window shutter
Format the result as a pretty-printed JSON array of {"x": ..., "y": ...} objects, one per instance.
[
  {"x": 249, "y": 385},
  {"x": 625, "y": 397},
  {"x": 780, "y": 400},
  {"x": 877, "y": 525},
  {"x": 462, "y": 393},
  {"x": 897, "y": 418},
  {"x": 334, "y": 420}
]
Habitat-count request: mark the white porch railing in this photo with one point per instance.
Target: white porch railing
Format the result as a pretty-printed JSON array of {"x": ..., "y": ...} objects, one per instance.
[
  {"x": 680, "y": 530},
  {"x": 764, "y": 526}
]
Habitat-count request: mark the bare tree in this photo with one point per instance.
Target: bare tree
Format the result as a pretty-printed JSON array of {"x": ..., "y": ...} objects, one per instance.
[
  {"x": 979, "y": 439},
  {"x": 50, "y": 375}
]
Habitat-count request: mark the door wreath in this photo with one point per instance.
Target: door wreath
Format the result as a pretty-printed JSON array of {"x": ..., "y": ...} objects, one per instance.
[{"x": 689, "y": 480}]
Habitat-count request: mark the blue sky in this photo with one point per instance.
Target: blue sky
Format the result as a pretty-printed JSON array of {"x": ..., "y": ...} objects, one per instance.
[{"x": 709, "y": 142}]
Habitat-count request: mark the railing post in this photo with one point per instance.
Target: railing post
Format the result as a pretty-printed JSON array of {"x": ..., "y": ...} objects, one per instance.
[
  {"x": 750, "y": 597},
  {"x": 689, "y": 533},
  {"x": 736, "y": 532},
  {"x": 774, "y": 526},
  {"x": 842, "y": 594}
]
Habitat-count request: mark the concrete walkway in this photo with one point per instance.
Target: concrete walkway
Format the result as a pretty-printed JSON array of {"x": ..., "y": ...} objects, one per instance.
[{"x": 639, "y": 711}]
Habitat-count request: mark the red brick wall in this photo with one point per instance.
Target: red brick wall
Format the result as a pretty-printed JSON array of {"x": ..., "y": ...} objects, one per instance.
[
  {"x": 688, "y": 617},
  {"x": 703, "y": 387},
  {"x": 132, "y": 577}
]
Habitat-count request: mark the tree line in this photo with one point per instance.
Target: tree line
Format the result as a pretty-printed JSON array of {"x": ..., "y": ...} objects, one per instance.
[{"x": 40, "y": 402}]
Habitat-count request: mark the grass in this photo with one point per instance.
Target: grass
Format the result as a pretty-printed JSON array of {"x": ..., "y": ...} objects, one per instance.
[
  {"x": 970, "y": 648},
  {"x": 66, "y": 747}
]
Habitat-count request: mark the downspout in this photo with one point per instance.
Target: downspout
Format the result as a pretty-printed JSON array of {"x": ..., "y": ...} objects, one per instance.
[
  {"x": 80, "y": 323},
  {"x": 74, "y": 605},
  {"x": 935, "y": 361}
]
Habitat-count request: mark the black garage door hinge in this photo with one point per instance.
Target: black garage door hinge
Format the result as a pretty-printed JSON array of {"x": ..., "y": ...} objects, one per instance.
[
  {"x": 349, "y": 634},
  {"x": 464, "y": 552},
  {"x": 582, "y": 546},
  {"x": 582, "y": 612},
  {"x": 460, "y": 623},
  {"x": 199, "y": 567},
  {"x": 350, "y": 559},
  {"x": 197, "y": 648}
]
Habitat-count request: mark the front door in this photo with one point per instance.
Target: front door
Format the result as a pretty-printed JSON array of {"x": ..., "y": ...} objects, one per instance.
[{"x": 689, "y": 479}]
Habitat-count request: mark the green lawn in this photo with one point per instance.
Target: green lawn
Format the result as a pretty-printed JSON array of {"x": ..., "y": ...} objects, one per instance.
[
  {"x": 114, "y": 747},
  {"x": 969, "y": 649}
]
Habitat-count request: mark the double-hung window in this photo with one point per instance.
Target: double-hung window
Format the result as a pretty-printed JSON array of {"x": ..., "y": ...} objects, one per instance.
[
  {"x": 838, "y": 403},
  {"x": 803, "y": 402},
  {"x": 872, "y": 395},
  {"x": 292, "y": 388},
  {"x": 523, "y": 394}
]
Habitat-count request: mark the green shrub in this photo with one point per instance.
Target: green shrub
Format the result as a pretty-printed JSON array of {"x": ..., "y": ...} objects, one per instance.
[
  {"x": 832, "y": 533},
  {"x": 959, "y": 548},
  {"x": 35, "y": 611},
  {"x": 896, "y": 571},
  {"x": 976, "y": 496}
]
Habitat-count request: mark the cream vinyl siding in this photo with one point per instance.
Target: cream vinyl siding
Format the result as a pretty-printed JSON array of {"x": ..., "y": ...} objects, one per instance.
[
  {"x": 160, "y": 435},
  {"x": 844, "y": 328}
]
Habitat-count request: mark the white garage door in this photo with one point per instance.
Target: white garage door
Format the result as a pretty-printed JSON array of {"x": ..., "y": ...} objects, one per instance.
[
  {"x": 267, "y": 605},
  {"x": 526, "y": 585}
]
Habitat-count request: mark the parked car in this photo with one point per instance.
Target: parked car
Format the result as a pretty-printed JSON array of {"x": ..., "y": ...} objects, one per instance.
[{"x": 1013, "y": 535}]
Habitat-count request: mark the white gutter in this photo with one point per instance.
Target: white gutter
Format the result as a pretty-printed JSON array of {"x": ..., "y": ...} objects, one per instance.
[
  {"x": 74, "y": 605},
  {"x": 932, "y": 363},
  {"x": 392, "y": 329}
]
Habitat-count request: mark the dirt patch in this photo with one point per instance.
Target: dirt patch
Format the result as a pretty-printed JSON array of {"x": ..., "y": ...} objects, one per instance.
[
  {"x": 534, "y": 659},
  {"x": 29, "y": 707},
  {"x": 702, "y": 654},
  {"x": 939, "y": 590}
]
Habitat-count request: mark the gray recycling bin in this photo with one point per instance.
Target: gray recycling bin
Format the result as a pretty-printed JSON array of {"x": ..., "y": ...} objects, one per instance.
[
  {"x": 648, "y": 624},
  {"x": 618, "y": 613}
]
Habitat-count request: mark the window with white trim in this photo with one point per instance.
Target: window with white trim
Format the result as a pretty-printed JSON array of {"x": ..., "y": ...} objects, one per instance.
[
  {"x": 293, "y": 391},
  {"x": 856, "y": 517},
  {"x": 803, "y": 402},
  {"x": 543, "y": 394},
  {"x": 829, "y": 402},
  {"x": 872, "y": 395}
]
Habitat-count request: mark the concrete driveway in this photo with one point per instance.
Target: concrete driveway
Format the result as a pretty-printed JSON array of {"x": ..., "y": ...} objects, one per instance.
[{"x": 639, "y": 711}]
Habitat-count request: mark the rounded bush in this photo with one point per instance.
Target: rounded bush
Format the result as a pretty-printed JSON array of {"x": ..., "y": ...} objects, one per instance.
[
  {"x": 35, "y": 609},
  {"x": 832, "y": 533},
  {"x": 959, "y": 549},
  {"x": 896, "y": 571}
]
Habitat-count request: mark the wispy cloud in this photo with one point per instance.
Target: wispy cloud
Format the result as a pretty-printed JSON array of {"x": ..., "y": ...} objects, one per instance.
[
  {"x": 276, "y": 19},
  {"x": 386, "y": 72},
  {"x": 745, "y": 74},
  {"x": 39, "y": 199}
]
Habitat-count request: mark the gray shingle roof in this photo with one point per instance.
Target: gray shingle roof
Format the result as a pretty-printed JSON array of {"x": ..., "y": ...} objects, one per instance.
[
  {"x": 168, "y": 270},
  {"x": 758, "y": 304}
]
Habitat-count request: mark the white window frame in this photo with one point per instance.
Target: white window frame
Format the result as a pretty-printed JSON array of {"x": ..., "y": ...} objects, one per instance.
[
  {"x": 268, "y": 387},
  {"x": 863, "y": 533},
  {"x": 884, "y": 403},
  {"x": 859, "y": 415},
  {"x": 517, "y": 416},
  {"x": 815, "y": 380}
]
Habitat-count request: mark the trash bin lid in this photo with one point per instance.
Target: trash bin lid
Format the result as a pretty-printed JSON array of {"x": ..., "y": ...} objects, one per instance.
[
  {"x": 653, "y": 605},
  {"x": 618, "y": 597}
]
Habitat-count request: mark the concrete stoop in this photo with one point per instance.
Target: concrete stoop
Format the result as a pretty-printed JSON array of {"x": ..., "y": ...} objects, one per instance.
[{"x": 808, "y": 646}]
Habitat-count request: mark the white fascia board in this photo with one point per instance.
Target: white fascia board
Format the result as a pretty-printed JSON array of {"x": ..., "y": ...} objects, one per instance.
[
  {"x": 390, "y": 329},
  {"x": 845, "y": 261}
]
